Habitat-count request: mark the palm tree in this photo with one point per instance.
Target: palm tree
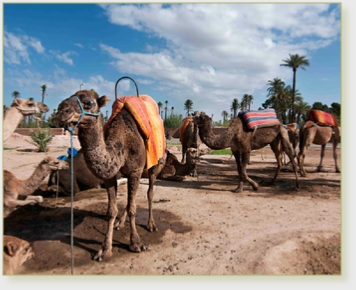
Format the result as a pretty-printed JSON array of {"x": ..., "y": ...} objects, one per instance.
[
  {"x": 295, "y": 61},
  {"x": 43, "y": 87},
  {"x": 188, "y": 106},
  {"x": 244, "y": 102},
  {"x": 15, "y": 94},
  {"x": 224, "y": 114},
  {"x": 165, "y": 110},
  {"x": 234, "y": 107},
  {"x": 172, "y": 109},
  {"x": 274, "y": 86},
  {"x": 249, "y": 101},
  {"x": 301, "y": 109},
  {"x": 159, "y": 104}
]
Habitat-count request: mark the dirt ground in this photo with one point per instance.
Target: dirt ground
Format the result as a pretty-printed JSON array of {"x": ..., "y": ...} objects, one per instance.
[{"x": 203, "y": 227}]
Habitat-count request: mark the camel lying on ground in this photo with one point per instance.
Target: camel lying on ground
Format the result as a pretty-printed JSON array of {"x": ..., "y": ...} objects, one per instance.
[
  {"x": 17, "y": 111},
  {"x": 84, "y": 179},
  {"x": 14, "y": 189},
  {"x": 118, "y": 149},
  {"x": 242, "y": 140},
  {"x": 16, "y": 252},
  {"x": 318, "y": 134}
]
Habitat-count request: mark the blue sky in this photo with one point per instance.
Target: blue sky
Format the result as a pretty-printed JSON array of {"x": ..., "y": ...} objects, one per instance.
[{"x": 208, "y": 53}]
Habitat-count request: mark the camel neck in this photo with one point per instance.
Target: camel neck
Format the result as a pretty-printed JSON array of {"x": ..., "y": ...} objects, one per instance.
[
  {"x": 12, "y": 119},
  {"x": 101, "y": 159},
  {"x": 213, "y": 141},
  {"x": 32, "y": 183}
]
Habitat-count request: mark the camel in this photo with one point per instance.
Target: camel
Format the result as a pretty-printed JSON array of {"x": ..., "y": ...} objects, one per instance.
[
  {"x": 84, "y": 179},
  {"x": 242, "y": 140},
  {"x": 19, "y": 109},
  {"x": 15, "y": 188},
  {"x": 318, "y": 134},
  {"x": 16, "y": 252},
  {"x": 119, "y": 149}
]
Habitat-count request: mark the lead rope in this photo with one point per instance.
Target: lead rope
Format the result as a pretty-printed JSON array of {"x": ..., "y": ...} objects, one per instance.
[{"x": 71, "y": 131}]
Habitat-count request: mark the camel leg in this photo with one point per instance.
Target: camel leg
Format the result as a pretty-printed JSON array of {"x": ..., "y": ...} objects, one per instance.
[
  {"x": 106, "y": 247},
  {"x": 184, "y": 150},
  {"x": 132, "y": 186},
  {"x": 276, "y": 148},
  {"x": 242, "y": 161},
  {"x": 288, "y": 149},
  {"x": 31, "y": 200},
  {"x": 322, "y": 154},
  {"x": 335, "y": 142},
  {"x": 153, "y": 172}
]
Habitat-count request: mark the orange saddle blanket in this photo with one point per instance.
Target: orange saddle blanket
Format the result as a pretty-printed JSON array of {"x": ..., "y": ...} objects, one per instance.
[
  {"x": 145, "y": 111},
  {"x": 318, "y": 116},
  {"x": 186, "y": 121}
]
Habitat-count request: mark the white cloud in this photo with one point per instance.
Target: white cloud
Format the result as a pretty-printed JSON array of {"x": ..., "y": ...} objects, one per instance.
[
  {"x": 64, "y": 57},
  {"x": 16, "y": 48},
  {"x": 216, "y": 50}
]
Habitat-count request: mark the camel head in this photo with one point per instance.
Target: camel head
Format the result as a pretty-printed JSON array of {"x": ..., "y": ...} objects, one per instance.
[
  {"x": 54, "y": 163},
  {"x": 192, "y": 156},
  {"x": 201, "y": 119},
  {"x": 28, "y": 107},
  {"x": 83, "y": 106}
]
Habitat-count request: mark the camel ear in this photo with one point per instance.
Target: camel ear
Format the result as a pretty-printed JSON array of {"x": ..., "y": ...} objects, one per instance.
[
  {"x": 103, "y": 101},
  {"x": 15, "y": 102},
  {"x": 11, "y": 248}
]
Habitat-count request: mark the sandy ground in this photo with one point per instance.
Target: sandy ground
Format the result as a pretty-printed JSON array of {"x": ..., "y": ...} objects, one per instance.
[{"x": 204, "y": 227}]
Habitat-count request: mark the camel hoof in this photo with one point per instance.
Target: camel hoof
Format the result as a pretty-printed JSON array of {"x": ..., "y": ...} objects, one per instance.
[
  {"x": 238, "y": 189},
  {"x": 137, "y": 247},
  {"x": 102, "y": 255},
  {"x": 152, "y": 228}
]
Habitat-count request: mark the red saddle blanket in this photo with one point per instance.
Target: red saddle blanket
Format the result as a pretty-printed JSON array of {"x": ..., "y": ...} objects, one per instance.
[
  {"x": 318, "y": 116},
  {"x": 145, "y": 111},
  {"x": 260, "y": 118},
  {"x": 186, "y": 121}
]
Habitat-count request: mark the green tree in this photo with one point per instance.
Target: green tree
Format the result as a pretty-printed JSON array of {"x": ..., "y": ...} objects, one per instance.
[
  {"x": 188, "y": 106},
  {"x": 172, "y": 109},
  {"x": 41, "y": 138},
  {"x": 165, "y": 110},
  {"x": 173, "y": 121},
  {"x": 301, "y": 109},
  {"x": 249, "y": 101},
  {"x": 225, "y": 115},
  {"x": 234, "y": 107},
  {"x": 15, "y": 94},
  {"x": 295, "y": 61},
  {"x": 159, "y": 104}
]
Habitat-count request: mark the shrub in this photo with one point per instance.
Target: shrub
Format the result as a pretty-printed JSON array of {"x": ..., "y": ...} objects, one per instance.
[{"x": 41, "y": 138}]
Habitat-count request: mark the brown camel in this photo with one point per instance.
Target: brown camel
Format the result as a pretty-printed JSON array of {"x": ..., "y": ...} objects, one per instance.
[
  {"x": 84, "y": 179},
  {"x": 318, "y": 134},
  {"x": 118, "y": 149},
  {"x": 16, "y": 252},
  {"x": 242, "y": 140},
  {"x": 15, "y": 188},
  {"x": 19, "y": 109},
  {"x": 189, "y": 138}
]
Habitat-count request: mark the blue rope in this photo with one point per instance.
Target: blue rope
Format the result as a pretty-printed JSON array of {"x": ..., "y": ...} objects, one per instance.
[{"x": 71, "y": 131}]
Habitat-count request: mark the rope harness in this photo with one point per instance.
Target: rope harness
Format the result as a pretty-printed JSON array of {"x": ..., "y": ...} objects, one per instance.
[{"x": 71, "y": 131}]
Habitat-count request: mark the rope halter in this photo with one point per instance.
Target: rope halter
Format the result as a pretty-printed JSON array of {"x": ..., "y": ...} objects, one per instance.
[{"x": 83, "y": 112}]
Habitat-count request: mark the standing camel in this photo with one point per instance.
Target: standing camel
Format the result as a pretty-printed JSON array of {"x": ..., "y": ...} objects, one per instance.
[
  {"x": 119, "y": 148},
  {"x": 242, "y": 140},
  {"x": 19, "y": 109},
  {"x": 15, "y": 188},
  {"x": 320, "y": 134}
]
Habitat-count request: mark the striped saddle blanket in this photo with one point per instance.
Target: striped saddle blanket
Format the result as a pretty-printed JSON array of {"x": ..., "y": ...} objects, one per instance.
[
  {"x": 260, "y": 118},
  {"x": 145, "y": 111},
  {"x": 318, "y": 116}
]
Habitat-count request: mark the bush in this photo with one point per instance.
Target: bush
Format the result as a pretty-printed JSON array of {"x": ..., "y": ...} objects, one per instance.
[{"x": 41, "y": 138}]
